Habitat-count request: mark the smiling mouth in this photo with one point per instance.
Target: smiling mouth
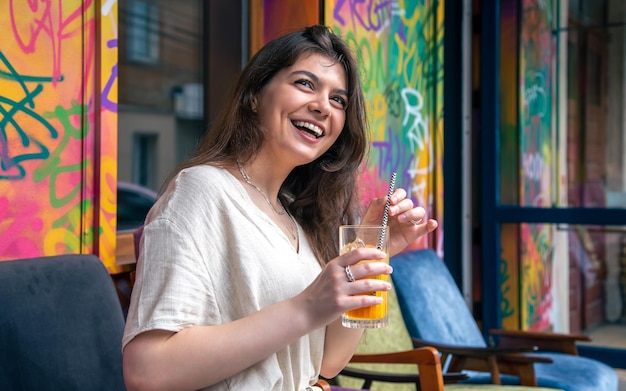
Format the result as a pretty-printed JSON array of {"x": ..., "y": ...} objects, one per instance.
[{"x": 309, "y": 128}]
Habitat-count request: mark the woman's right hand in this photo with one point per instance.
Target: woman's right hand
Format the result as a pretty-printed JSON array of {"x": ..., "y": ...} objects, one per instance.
[{"x": 331, "y": 293}]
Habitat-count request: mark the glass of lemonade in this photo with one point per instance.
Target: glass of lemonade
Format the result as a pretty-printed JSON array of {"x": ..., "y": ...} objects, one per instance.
[{"x": 350, "y": 238}]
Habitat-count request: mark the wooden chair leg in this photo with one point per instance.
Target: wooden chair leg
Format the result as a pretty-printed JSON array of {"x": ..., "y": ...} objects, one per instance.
[{"x": 494, "y": 370}]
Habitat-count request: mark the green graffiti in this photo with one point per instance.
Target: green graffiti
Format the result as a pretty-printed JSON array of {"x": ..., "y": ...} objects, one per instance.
[{"x": 505, "y": 305}]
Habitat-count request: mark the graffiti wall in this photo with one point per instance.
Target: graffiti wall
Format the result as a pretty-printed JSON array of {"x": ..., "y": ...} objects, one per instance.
[
  {"x": 535, "y": 157},
  {"x": 58, "y": 128},
  {"x": 399, "y": 45}
]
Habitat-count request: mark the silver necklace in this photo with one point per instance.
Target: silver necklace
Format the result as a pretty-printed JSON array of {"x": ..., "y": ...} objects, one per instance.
[
  {"x": 247, "y": 179},
  {"x": 295, "y": 236}
]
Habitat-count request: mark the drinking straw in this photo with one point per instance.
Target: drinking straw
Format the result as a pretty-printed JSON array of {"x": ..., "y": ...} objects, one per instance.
[{"x": 383, "y": 230}]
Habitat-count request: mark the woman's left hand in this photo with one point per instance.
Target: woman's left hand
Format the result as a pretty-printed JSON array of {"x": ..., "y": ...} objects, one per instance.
[{"x": 406, "y": 222}]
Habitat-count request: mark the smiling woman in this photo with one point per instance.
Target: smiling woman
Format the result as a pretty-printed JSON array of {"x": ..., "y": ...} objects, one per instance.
[{"x": 257, "y": 207}]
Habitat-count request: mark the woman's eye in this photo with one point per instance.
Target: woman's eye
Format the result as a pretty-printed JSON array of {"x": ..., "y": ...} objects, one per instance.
[
  {"x": 339, "y": 100},
  {"x": 305, "y": 83}
]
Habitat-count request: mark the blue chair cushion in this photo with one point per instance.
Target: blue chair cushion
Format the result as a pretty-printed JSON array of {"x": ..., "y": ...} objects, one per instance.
[
  {"x": 567, "y": 372},
  {"x": 573, "y": 373}
]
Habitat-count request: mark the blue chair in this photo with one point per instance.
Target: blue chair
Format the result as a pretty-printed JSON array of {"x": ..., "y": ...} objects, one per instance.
[
  {"x": 61, "y": 325},
  {"x": 436, "y": 314}
]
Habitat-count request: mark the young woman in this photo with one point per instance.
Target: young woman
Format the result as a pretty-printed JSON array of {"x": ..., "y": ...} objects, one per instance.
[{"x": 239, "y": 284}]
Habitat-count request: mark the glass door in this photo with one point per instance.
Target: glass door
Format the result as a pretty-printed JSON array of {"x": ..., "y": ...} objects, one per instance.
[{"x": 553, "y": 164}]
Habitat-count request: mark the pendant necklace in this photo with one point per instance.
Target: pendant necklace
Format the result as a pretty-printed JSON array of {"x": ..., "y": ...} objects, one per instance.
[{"x": 247, "y": 179}]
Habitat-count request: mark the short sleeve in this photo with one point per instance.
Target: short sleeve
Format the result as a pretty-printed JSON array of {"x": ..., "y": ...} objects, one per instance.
[{"x": 172, "y": 289}]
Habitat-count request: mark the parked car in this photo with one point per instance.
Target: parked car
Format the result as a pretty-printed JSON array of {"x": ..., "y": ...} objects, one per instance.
[{"x": 133, "y": 203}]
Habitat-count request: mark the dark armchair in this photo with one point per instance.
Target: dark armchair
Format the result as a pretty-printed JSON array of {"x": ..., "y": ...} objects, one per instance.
[{"x": 61, "y": 325}]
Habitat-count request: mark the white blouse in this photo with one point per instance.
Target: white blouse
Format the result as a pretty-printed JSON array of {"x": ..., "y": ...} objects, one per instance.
[{"x": 210, "y": 256}]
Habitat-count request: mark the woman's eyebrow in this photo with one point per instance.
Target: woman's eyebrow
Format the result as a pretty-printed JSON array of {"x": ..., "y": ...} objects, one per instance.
[{"x": 316, "y": 80}]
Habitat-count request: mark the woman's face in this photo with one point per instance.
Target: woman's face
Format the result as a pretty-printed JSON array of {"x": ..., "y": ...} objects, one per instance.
[{"x": 302, "y": 109}]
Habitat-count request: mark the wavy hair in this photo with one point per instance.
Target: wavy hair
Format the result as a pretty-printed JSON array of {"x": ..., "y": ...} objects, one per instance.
[{"x": 320, "y": 195}]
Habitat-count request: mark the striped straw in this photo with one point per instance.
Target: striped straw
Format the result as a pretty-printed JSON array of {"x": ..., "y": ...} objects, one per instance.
[{"x": 383, "y": 230}]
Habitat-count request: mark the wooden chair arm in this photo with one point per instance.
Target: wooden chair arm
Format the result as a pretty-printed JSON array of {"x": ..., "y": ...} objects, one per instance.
[
  {"x": 421, "y": 356},
  {"x": 524, "y": 358},
  {"x": 323, "y": 384},
  {"x": 427, "y": 361},
  {"x": 495, "y": 360},
  {"x": 479, "y": 352},
  {"x": 564, "y": 343}
]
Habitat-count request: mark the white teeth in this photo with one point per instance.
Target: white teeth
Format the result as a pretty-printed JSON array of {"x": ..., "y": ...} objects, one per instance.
[{"x": 313, "y": 128}]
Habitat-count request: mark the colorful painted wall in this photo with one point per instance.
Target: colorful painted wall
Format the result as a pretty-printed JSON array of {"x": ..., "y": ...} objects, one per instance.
[
  {"x": 536, "y": 251},
  {"x": 532, "y": 284},
  {"x": 399, "y": 45},
  {"x": 58, "y": 128}
]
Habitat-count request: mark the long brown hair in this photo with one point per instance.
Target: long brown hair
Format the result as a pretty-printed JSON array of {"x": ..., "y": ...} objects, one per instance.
[{"x": 320, "y": 195}]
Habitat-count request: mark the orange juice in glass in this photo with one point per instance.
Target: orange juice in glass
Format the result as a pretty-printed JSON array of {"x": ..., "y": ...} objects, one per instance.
[{"x": 350, "y": 238}]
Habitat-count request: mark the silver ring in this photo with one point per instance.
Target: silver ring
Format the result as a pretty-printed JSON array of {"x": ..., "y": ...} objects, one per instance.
[
  {"x": 414, "y": 222},
  {"x": 349, "y": 274}
]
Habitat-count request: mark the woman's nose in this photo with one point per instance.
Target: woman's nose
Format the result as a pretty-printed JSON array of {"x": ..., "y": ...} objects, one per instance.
[{"x": 320, "y": 105}]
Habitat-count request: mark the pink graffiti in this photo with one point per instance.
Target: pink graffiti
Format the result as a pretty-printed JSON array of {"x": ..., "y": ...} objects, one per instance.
[
  {"x": 14, "y": 240},
  {"x": 371, "y": 186},
  {"x": 45, "y": 16}
]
